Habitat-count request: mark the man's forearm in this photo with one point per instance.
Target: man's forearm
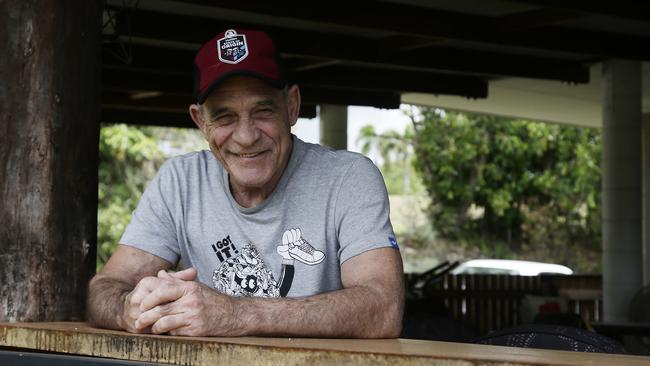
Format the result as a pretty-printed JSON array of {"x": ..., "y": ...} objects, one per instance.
[
  {"x": 354, "y": 312},
  {"x": 106, "y": 302},
  {"x": 369, "y": 306}
]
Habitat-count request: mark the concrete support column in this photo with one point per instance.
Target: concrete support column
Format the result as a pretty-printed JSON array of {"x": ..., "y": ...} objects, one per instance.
[
  {"x": 646, "y": 199},
  {"x": 334, "y": 126},
  {"x": 622, "y": 197}
]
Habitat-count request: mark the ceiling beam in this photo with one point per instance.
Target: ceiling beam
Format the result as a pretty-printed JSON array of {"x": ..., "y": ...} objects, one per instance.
[
  {"x": 631, "y": 10},
  {"x": 134, "y": 79},
  {"x": 332, "y": 78},
  {"x": 310, "y": 96},
  {"x": 535, "y": 18},
  {"x": 161, "y": 110},
  {"x": 362, "y": 79},
  {"x": 368, "y": 98},
  {"x": 113, "y": 114}
]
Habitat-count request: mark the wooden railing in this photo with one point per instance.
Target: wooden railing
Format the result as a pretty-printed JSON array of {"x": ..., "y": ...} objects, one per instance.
[
  {"x": 59, "y": 343},
  {"x": 493, "y": 302}
]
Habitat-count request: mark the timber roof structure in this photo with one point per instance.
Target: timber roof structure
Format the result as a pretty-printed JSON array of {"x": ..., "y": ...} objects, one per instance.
[{"x": 365, "y": 52}]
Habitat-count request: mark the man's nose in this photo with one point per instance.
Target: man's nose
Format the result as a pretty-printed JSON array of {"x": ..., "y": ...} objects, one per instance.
[{"x": 246, "y": 132}]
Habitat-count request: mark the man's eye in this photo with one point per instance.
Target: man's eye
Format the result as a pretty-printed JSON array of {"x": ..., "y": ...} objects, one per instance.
[
  {"x": 224, "y": 119},
  {"x": 264, "y": 112}
]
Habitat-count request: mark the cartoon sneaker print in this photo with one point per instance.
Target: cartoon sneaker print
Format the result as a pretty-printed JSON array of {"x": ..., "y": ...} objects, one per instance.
[{"x": 295, "y": 247}]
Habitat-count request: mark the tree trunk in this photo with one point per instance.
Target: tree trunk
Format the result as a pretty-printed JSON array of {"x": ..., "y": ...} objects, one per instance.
[{"x": 49, "y": 134}]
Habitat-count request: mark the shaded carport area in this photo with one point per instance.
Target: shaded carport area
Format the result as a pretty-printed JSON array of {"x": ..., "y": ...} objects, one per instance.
[{"x": 68, "y": 66}]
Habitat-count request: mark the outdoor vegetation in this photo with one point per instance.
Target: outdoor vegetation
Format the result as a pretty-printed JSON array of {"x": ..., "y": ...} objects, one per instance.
[
  {"x": 495, "y": 187},
  {"x": 129, "y": 158},
  {"x": 461, "y": 186}
]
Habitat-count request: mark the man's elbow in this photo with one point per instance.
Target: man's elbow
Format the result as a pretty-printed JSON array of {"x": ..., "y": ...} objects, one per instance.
[
  {"x": 91, "y": 301},
  {"x": 393, "y": 327},
  {"x": 390, "y": 330},
  {"x": 104, "y": 300},
  {"x": 394, "y": 314},
  {"x": 389, "y": 325}
]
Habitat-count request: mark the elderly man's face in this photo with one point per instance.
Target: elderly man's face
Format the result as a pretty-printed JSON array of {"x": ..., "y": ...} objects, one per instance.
[{"x": 248, "y": 126}]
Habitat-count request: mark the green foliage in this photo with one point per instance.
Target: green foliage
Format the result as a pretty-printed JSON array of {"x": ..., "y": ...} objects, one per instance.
[
  {"x": 396, "y": 157},
  {"x": 128, "y": 158},
  {"x": 512, "y": 186}
]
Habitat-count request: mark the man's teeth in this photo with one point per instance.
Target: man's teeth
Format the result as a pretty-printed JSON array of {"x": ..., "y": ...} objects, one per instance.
[{"x": 248, "y": 155}]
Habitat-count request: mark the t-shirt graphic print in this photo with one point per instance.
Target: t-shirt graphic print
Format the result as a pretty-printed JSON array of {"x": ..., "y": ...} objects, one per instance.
[{"x": 246, "y": 275}]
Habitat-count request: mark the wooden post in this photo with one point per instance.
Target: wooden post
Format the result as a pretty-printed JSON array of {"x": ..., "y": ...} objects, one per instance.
[{"x": 50, "y": 66}]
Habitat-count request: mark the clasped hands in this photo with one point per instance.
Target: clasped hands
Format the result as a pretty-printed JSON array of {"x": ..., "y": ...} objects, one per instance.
[{"x": 176, "y": 304}]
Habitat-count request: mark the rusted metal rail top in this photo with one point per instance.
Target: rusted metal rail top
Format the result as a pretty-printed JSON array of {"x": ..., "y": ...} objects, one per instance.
[{"x": 80, "y": 339}]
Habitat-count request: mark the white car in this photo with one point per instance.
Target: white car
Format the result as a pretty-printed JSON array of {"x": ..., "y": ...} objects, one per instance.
[{"x": 509, "y": 267}]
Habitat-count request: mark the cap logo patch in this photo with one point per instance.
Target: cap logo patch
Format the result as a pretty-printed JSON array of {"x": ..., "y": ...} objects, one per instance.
[{"x": 232, "y": 48}]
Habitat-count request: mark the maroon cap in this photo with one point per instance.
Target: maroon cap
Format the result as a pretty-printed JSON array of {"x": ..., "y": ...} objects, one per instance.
[{"x": 236, "y": 52}]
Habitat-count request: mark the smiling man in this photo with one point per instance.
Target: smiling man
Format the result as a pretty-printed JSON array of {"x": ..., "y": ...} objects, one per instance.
[{"x": 277, "y": 236}]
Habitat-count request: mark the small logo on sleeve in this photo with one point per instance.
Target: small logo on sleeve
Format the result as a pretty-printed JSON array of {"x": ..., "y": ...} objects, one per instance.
[{"x": 393, "y": 242}]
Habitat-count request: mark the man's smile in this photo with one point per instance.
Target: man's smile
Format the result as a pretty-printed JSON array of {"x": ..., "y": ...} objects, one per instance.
[{"x": 249, "y": 155}]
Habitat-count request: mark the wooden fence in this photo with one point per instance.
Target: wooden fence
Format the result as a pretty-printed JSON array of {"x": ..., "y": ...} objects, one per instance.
[{"x": 493, "y": 302}]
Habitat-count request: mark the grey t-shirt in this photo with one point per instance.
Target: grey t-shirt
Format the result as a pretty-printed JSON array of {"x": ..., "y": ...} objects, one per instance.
[{"x": 328, "y": 206}]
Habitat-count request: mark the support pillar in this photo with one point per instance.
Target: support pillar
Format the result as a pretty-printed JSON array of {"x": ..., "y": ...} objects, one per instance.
[
  {"x": 49, "y": 136},
  {"x": 334, "y": 126},
  {"x": 622, "y": 197},
  {"x": 646, "y": 199}
]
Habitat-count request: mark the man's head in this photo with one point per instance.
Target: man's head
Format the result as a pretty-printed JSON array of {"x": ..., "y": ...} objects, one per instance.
[{"x": 245, "y": 110}]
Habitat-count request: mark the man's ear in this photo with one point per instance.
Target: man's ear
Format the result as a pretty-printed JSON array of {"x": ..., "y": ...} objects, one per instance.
[
  {"x": 293, "y": 101},
  {"x": 195, "y": 113}
]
